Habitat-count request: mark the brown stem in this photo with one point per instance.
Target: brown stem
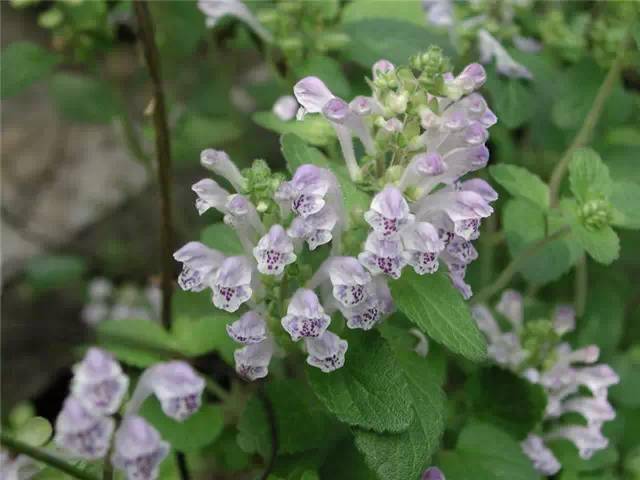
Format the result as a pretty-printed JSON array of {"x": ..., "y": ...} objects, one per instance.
[{"x": 163, "y": 150}]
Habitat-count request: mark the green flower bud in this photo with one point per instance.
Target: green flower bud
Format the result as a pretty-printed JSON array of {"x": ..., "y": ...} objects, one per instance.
[
  {"x": 595, "y": 214},
  {"x": 397, "y": 102}
]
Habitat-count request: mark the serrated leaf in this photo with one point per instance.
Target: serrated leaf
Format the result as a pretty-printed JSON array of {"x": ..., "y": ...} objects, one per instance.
[
  {"x": 196, "y": 432},
  {"x": 222, "y": 237},
  {"x": 136, "y": 342},
  {"x": 603, "y": 245},
  {"x": 437, "y": 308},
  {"x": 524, "y": 224},
  {"x": 197, "y": 336},
  {"x": 296, "y": 152},
  {"x": 520, "y": 182},
  {"x": 405, "y": 455},
  {"x": 84, "y": 99},
  {"x": 625, "y": 198},
  {"x": 488, "y": 452},
  {"x": 511, "y": 403},
  {"x": 314, "y": 129},
  {"x": 369, "y": 391},
  {"x": 588, "y": 176},
  {"x": 24, "y": 63},
  {"x": 401, "y": 40}
]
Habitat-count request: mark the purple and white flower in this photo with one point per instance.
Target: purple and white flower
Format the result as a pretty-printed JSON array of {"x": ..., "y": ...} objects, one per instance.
[
  {"x": 305, "y": 316},
  {"x": 232, "y": 284},
  {"x": 249, "y": 329},
  {"x": 326, "y": 352},
  {"x": 214, "y": 10},
  {"x": 389, "y": 212},
  {"x": 285, "y": 108},
  {"x": 542, "y": 458},
  {"x": 252, "y": 361},
  {"x": 219, "y": 163},
  {"x": 138, "y": 449},
  {"x": 383, "y": 255},
  {"x": 422, "y": 247},
  {"x": 274, "y": 251},
  {"x": 199, "y": 266},
  {"x": 98, "y": 383}
]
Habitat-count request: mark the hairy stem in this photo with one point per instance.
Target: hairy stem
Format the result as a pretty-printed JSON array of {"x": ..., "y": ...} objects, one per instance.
[
  {"x": 163, "y": 150},
  {"x": 591, "y": 120},
  {"x": 43, "y": 456},
  {"x": 581, "y": 285},
  {"x": 510, "y": 270}
]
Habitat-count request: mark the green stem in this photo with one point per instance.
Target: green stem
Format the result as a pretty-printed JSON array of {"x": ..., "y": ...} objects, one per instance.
[
  {"x": 514, "y": 267},
  {"x": 43, "y": 456},
  {"x": 215, "y": 389},
  {"x": 581, "y": 286},
  {"x": 487, "y": 249},
  {"x": 591, "y": 120},
  {"x": 163, "y": 150}
]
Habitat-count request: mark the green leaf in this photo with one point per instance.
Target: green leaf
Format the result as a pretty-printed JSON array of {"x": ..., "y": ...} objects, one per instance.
[
  {"x": 567, "y": 454},
  {"x": 254, "y": 431},
  {"x": 490, "y": 454},
  {"x": 314, "y": 129},
  {"x": 345, "y": 462},
  {"x": 513, "y": 102},
  {"x": 222, "y": 237},
  {"x": 588, "y": 176},
  {"x": 405, "y": 455},
  {"x": 524, "y": 224},
  {"x": 627, "y": 391},
  {"x": 511, "y": 403},
  {"x": 54, "y": 271},
  {"x": 603, "y": 320},
  {"x": 369, "y": 391},
  {"x": 35, "y": 432},
  {"x": 401, "y": 40},
  {"x": 195, "y": 132},
  {"x": 520, "y": 182},
  {"x": 404, "y": 10},
  {"x": 179, "y": 27},
  {"x": 196, "y": 432},
  {"x": 603, "y": 245},
  {"x": 136, "y": 342},
  {"x": 296, "y": 152},
  {"x": 625, "y": 198},
  {"x": 329, "y": 71},
  {"x": 22, "y": 64},
  {"x": 84, "y": 99},
  {"x": 195, "y": 337},
  {"x": 438, "y": 309}
]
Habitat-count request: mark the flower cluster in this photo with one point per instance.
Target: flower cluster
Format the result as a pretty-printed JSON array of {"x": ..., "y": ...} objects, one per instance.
[
  {"x": 422, "y": 129},
  {"x": 106, "y": 302},
  {"x": 572, "y": 380},
  {"x": 85, "y": 426}
]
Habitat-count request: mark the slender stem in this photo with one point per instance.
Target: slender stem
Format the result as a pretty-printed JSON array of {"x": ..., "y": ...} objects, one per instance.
[
  {"x": 163, "y": 150},
  {"x": 43, "y": 456},
  {"x": 591, "y": 120},
  {"x": 274, "y": 433},
  {"x": 183, "y": 468},
  {"x": 215, "y": 389},
  {"x": 510, "y": 270},
  {"x": 581, "y": 286}
]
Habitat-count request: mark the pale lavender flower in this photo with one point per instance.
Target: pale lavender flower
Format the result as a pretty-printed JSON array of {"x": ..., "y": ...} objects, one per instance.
[
  {"x": 564, "y": 319},
  {"x": 504, "y": 348},
  {"x": 422, "y": 247},
  {"x": 326, "y": 352},
  {"x": 511, "y": 306},
  {"x": 232, "y": 285},
  {"x": 595, "y": 410},
  {"x": 285, "y": 108},
  {"x": 433, "y": 473},
  {"x": 100, "y": 289},
  {"x": 98, "y": 383},
  {"x": 199, "y": 265},
  {"x": 249, "y": 329},
  {"x": 588, "y": 440},
  {"x": 383, "y": 255},
  {"x": 376, "y": 306},
  {"x": 491, "y": 49},
  {"x": 527, "y": 44},
  {"x": 365, "y": 106},
  {"x": 210, "y": 195},
  {"x": 81, "y": 433},
  {"x": 382, "y": 66},
  {"x": 312, "y": 94},
  {"x": 274, "y": 251},
  {"x": 389, "y": 212},
  {"x": 138, "y": 449},
  {"x": 543, "y": 459},
  {"x": 597, "y": 378},
  {"x": 305, "y": 316},
  {"x": 315, "y": 229},
  {"x": 219, "y": 162},
  {"x": 214, "y": 10},
  {"x": 305, "y": 193},
  {"x": 252, "y": 361},
  {"x": 349, "y": 279}
]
